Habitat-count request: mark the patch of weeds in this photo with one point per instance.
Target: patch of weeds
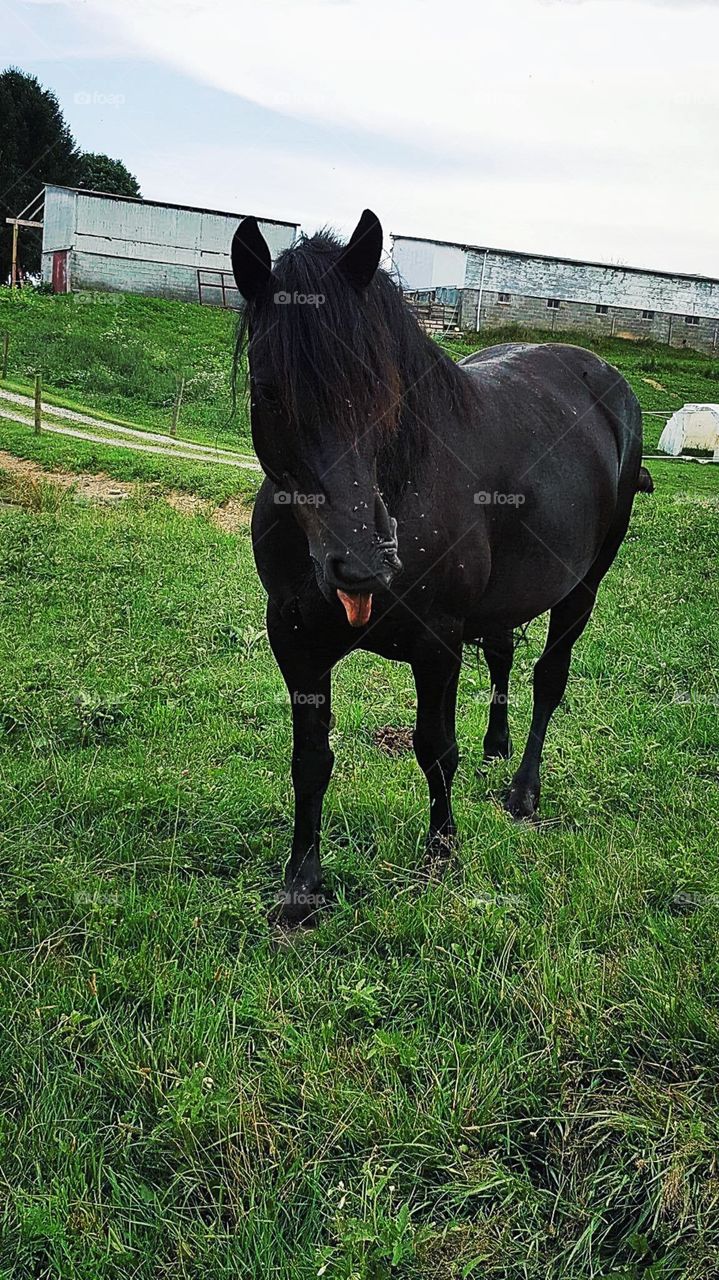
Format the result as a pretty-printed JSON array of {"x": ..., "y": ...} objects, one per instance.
[{"x": 98, "y": 721}]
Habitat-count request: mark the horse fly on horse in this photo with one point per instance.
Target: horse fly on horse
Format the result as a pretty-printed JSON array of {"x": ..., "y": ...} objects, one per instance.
[{"x": 412, "y": 505}]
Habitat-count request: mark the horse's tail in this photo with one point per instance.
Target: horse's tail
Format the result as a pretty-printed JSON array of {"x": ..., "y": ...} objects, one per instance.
[{"x": 645, "y": 484}]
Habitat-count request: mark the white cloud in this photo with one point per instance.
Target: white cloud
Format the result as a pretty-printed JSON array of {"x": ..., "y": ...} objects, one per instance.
[{"x": 582, "y": 126}]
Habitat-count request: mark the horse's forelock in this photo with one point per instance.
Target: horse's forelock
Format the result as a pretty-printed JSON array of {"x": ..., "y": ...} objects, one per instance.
[{"x": 359, "y": 360}]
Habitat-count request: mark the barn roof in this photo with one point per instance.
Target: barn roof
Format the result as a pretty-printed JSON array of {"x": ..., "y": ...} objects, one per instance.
[
  {"x": 548, "y": 257},
  {"x": 166, "y": 204}
]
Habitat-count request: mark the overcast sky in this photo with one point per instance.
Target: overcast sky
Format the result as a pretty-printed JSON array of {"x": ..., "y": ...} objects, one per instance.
[{"x": 580, "y": 127}]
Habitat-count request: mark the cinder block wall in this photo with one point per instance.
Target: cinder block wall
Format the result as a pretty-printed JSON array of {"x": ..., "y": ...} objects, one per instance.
[
  {"x": 620, "y": 322},
  {"x": 133, "y": 275}
]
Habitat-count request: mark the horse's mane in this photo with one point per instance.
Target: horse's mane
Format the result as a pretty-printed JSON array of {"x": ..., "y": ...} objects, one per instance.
[{"x": 361, "y": 361}]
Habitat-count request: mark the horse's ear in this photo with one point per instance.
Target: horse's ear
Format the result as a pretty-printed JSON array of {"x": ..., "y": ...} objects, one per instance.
[
  {"x": 251, "y": 259},
  {"x": 360, "y": 259}
]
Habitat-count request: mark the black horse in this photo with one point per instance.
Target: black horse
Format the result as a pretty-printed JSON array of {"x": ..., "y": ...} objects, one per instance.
[{"x": 412, "y": 505}]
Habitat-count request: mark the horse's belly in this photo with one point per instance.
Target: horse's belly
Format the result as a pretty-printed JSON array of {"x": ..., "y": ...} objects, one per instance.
[
  {"x": 511, "y": 603},
  {"x": 536, "y": 561}
]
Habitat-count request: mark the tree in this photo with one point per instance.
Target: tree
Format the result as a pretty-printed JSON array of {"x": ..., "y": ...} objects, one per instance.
[
  {"x": 36, "y": 146},
  {"x": 100, "y": 173}
]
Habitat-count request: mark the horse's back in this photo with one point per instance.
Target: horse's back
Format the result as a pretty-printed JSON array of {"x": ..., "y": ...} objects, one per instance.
[
  {"x": 502, "y": 349},
  {"x": 558, "y": 363},
  {"x": 562, "y": 386}
]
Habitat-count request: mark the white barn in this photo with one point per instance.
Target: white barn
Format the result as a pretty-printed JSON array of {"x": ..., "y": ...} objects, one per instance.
[
  {"x": 92, "y": 240},
  {"x": 500, "y": 287}
]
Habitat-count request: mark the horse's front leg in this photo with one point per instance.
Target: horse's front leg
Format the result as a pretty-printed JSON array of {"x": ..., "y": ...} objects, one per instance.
[
  {"x": 436, "y": 665},
  {"x": 306, "y": 671}
]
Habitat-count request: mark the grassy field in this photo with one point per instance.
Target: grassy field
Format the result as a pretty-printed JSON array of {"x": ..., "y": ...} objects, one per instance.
[
  {"x": 511, "y": 1073},
  {"x": 65, "y": 453},
  {"x": 120, "y": 355}
]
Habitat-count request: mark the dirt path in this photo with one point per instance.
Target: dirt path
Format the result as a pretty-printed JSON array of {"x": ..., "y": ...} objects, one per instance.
[
  {"x": 119, "y": 436},
  {"x": 231, "y": 516}
]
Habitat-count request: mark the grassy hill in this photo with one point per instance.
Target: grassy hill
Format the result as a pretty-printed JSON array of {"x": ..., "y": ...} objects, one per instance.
[{"x": 121, "y": 355}]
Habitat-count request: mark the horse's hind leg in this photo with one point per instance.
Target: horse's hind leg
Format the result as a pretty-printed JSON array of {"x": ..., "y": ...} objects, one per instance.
[
  {"x": 567, "y": 621},
  {"x": 307, "y": 675},
  {"x": 498, "y": 650},
  {"x": 436, "y": 665}
]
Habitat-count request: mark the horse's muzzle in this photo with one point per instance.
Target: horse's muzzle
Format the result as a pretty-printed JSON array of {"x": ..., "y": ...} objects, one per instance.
[{"x": 354, "y": 581}]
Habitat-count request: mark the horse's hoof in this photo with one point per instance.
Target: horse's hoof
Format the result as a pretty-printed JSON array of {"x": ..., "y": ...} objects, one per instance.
[
  {"x": 298, "y": 908},
  {"x": 521, "y": 803},
  {"x": 500, "y": 750},
  {"x": 439, "y": 848}
]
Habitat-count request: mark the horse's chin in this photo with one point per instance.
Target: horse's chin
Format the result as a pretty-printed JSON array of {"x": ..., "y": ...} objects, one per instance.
[{"x": 357, "y": 607}]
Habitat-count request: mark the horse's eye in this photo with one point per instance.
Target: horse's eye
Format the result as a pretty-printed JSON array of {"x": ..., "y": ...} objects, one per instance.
[{"x": 266, "y": 395}]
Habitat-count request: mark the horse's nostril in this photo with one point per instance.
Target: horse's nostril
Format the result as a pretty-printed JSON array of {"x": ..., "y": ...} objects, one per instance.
[
  {"x": 347, "y": 574},
  {"x": 353, "y": 577}
]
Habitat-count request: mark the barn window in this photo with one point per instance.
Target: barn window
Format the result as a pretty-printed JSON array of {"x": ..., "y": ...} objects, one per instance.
[
  {"x": 647, "y": 315},
  {"x": 505, "y": 299},
  {"x": 554, "y": 304},
  {"x": 693, "y": 320},
  {"x": 602, "y": 310}
]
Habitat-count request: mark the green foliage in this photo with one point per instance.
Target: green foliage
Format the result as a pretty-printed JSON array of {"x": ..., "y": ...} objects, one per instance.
[
  {"x": 508, "y": 1073},
  {"x": 36, "y": 146},
  {"x": 98, "y": 172}
]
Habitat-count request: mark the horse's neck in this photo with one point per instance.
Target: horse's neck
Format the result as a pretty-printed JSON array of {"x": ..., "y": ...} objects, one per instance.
[{"x": 407, "y": 460}]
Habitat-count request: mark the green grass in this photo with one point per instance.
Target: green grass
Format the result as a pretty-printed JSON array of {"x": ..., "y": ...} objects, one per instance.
[
  {"x": 508, "y": 1074},
  {"x": 511, "y": 1073},
  {"x": 213, "y": 481},
  {"x": 120, "y": 355}
]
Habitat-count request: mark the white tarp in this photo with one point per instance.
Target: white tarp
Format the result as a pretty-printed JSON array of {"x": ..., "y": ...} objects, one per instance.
[{"x": 696, "y": 426}]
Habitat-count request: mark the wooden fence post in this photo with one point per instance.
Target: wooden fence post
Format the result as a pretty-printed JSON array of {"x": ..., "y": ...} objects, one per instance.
[
  {"x": 176, "y": 406},
  {"x": 38, "y": 403},
  {"x": 13, "y": 271},
  {"x": 5, "y": 348}
]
